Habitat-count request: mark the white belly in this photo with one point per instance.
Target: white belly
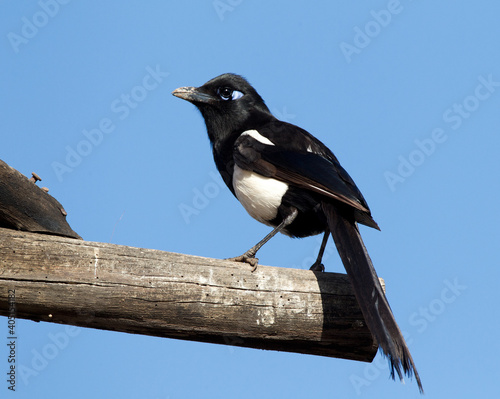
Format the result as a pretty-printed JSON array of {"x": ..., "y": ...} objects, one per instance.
[{"x": 259, "y": 195}]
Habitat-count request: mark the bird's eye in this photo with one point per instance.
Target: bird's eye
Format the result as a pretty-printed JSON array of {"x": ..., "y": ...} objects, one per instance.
[{"x": 226, "y": 93}]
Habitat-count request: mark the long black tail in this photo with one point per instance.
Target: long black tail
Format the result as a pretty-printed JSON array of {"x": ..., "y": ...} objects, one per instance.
[{"x": 369, "y": 293}]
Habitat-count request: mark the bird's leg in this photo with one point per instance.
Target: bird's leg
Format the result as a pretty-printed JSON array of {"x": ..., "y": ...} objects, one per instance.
[
  {"x": 318, "y": 266},
  {"x": 249, "y": 256}
]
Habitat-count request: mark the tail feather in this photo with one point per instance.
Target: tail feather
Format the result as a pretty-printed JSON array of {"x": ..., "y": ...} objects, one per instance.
[{"x": 369, "y": 294}]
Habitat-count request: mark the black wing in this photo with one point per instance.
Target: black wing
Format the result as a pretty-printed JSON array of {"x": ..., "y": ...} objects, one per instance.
[{"x": 299, "y": 159}]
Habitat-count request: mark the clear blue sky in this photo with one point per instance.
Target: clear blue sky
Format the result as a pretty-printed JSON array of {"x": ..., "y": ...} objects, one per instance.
[{"x": 407, "y": 95}]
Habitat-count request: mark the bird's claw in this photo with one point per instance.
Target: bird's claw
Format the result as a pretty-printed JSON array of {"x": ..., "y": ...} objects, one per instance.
[
  {"x": 251, "y": 260},
  {"x": 317, "y": 267}
]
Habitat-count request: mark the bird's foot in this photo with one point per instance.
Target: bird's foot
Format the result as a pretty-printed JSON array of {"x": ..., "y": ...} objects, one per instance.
[
  {"x": 317, "y": 267},
  {"x": 246, "y": 258}
]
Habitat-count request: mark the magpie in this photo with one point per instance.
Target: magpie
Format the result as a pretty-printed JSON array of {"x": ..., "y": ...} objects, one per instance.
[{"x": 286, "y": 178}]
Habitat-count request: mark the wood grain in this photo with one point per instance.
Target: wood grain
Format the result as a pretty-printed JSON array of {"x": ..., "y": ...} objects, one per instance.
[{"x": 146, "y": 291}]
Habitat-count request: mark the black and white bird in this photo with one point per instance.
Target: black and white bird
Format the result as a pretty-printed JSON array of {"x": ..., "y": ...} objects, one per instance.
[{"x": 286, "y": 178}]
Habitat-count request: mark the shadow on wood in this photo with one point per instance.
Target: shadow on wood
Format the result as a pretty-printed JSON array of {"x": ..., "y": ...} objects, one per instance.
[{"x": 164, "y": 294}]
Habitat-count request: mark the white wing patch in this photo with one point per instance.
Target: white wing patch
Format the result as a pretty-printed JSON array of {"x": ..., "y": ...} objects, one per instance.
[
  {"x": 260, "y": 196},
  {"x": 257, "y": 136}
]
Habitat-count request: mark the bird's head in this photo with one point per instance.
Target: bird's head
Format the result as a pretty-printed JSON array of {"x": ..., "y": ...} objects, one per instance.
[{"x": 227, "y": 103}]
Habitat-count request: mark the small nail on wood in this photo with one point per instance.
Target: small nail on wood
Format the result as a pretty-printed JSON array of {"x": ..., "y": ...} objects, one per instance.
[{"x": 34, "y": 177}]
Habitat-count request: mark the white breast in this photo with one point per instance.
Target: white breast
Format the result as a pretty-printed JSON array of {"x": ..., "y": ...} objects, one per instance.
[{"x": 259, "y": 195}]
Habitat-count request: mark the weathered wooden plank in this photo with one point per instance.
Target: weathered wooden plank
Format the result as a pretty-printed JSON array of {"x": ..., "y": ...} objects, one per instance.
[
  {"x": 25, "y": 206},
  {"x": 164, "y": 294}
]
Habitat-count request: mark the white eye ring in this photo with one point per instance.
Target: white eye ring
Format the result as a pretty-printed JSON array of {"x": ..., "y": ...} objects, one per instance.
[
  {"x": 236, "y": 94},
  {"x": 227, "y": 93}
]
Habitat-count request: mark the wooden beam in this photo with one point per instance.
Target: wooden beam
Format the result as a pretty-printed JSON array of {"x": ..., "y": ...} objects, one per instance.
[
  {"x": 145, "y": 291},
  {"x": 25, "y": 206}
]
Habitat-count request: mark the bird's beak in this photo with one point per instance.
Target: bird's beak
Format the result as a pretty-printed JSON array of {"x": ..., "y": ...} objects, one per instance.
[{"x": 193, "y": 95}]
